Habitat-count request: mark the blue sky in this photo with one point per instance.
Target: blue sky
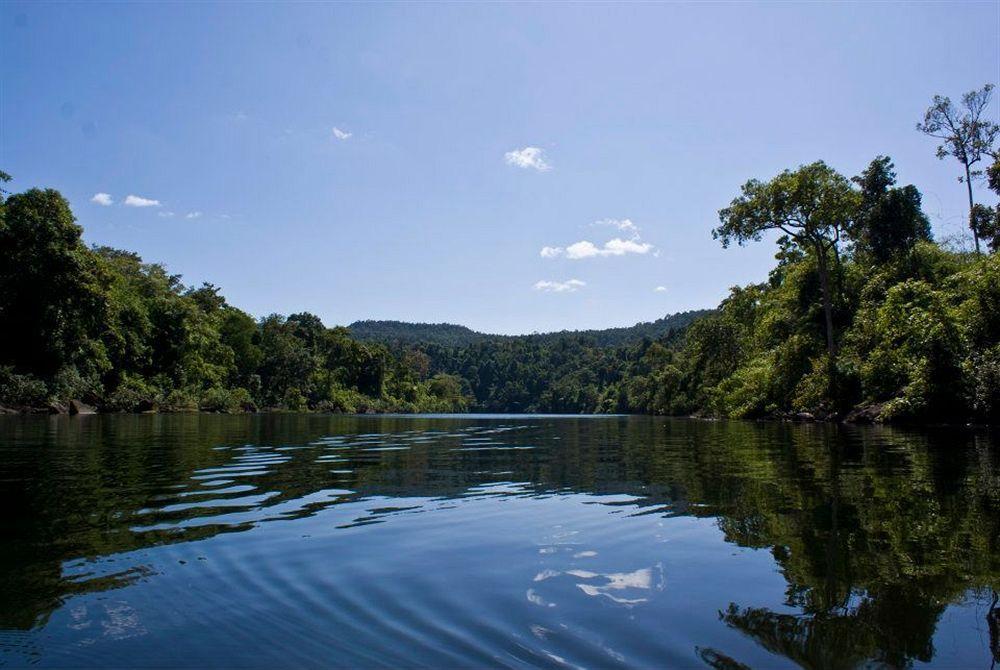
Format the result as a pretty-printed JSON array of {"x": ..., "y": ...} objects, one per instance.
[{"x": 469, "y": 138}]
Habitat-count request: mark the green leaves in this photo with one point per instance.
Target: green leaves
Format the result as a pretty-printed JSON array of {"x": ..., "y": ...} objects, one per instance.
[
  {"x": 909, "y": 326},
  {"x": 889, "y": 220},
  {"x": 811, "y": 205},
  {"x": 964, "y": 134}
]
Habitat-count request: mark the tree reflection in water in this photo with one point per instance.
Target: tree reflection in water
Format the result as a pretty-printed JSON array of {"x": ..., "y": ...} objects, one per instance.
[{"x": 876, "y": 531}]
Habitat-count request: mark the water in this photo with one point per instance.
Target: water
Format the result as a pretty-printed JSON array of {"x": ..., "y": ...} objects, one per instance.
[{"x": 308, "y": 540}]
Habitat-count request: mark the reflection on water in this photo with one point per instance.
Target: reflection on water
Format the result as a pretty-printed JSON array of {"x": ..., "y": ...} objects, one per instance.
[{"x": 494, "y": 541}]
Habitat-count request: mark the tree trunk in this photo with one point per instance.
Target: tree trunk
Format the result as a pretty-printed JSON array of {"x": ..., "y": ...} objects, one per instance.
[
  {"x": 993, "y": 624},
  {"x": 968, "y": 184},
  {"x": 824, "y": 282}
]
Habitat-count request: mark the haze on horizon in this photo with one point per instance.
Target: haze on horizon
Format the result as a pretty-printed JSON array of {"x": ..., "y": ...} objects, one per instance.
[{"x": 510, "y": 168}]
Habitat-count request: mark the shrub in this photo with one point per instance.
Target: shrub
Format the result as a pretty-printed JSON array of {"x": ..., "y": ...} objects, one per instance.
[
  {"x": 228, "y": 401},
  {"x": 917, "y": 352},
  {"x": 181, "y": 400},
  {"x": 342, "y": 401},
  {"x": 21, "y": 390},
  {"x": 746, "y": 394},
  {"x": 982, "y": 369},
  {"x": 133, "y": 394},
  {"x": 69, "y": 384},
  {"x": 293, "y": 400}
]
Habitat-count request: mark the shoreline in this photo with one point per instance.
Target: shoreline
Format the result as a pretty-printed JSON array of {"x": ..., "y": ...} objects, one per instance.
[{"x": 859, "y": 418}]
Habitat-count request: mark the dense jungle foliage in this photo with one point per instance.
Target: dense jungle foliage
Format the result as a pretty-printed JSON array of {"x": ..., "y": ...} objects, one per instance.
[
  {"x": 863, "y": 317},
  {"x": 401, "y": 333},
  {"x": 102, "y": 326},
  {"x": 908, "y": 329}
]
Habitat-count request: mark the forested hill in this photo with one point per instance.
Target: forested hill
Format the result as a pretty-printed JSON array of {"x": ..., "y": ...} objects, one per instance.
[
  {"x": 404, "y": 333},
  {"x": 401, "y": 333},
  {"x": 651, "y": 330},
  {"x": 862, "y": 317}
]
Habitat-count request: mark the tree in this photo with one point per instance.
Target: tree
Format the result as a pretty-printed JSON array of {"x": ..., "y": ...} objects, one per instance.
[
  {"x": 993, "y": 175},
  {"x": 238, "y": 331},
  {"x": 287, "y": 363},
  {"x": 448, "y": 387},
  {"x": 207, "y": 297},
  {"x": 985, "y": 223},
  {"x": 964, "y": 134},
  {"x": 813, "y": 206},
  {"x": 890, "y": 219},
  {"x": 51, "y": 298}
]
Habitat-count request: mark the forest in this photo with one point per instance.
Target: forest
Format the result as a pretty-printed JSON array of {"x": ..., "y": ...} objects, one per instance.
[{"x": 864, "y": 317}]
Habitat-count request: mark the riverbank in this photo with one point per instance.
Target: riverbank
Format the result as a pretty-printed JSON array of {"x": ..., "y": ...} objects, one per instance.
[
  {"x": 869, "y": 415},
  {"x": 75, "y": 407}
]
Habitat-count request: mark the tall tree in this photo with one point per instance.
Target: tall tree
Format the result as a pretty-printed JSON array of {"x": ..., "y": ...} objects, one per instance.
[
  {"x": 985, "y": 220},
  {"x": 890, "y": 219},
  {"x": 964, "y": 134},
  {"x": 51, "y": 300},
  {"x": 813, "y": 206}
]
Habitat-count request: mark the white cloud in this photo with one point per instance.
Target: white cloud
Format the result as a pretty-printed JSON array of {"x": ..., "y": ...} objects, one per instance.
[
  {"x": 582, "y": 249},
  {"x": 192, "y": 215},
  {"x": 341, "y": 134},
  {"x": 660, "y": 289},
  {"x": 624, "y": 225},
  {"x": 136, "y": 201},
  {"x": 559, "y": 286},
  {"x": 103, "y": 199},
  {"x": 620, "y": 247},
  {"x": 165, "y": 215},
  {"x": 528, "y": 157},
  {"x": 587, "y": 249}
]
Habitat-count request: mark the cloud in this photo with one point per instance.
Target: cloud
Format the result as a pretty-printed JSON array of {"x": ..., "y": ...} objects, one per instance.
[
  {"x": 587, "y": 249},
  {"x": 660, "y": 289},
  {"x": 165, "y": 215},
  {"x": 341, "y": 134},
  {"x": 528, "y": 157},
  {"x": 103, "y": 199},
  {"x": 192, "y": 215},
  {"x": 624, "y": 225},
  {"x": 620, "y": 247},
  {"x": 559, "y": 286},
  {"x": 136, "y": 201}
]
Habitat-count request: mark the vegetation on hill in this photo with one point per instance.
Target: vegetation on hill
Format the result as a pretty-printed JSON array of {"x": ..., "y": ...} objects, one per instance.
[
  {"x": 569, "y": 371},
  {"x": 864, "y": 316},
  {"x": 102, "y": 326},
  {"x": 401, "y": 333}
]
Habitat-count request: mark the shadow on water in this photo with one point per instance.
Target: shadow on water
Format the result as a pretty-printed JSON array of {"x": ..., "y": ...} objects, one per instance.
[{"x": 875, "y": 531}]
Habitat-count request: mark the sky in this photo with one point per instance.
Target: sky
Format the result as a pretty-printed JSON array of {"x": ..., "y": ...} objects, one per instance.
[{"x": 511, "y": 167}]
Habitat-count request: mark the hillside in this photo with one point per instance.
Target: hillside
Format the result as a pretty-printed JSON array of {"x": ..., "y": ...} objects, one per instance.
[
  {"x": 402, "y": 332},
  {"x": 451, "y": 335}
]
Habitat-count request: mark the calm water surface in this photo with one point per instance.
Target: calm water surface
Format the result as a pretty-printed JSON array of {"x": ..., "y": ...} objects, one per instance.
[{"x": 510, "y": 541}]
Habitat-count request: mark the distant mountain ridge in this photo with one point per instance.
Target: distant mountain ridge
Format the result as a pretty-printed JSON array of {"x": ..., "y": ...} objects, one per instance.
[
  {"x": 448, "y": 334},
  {"x": 404, "y": 332}
]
